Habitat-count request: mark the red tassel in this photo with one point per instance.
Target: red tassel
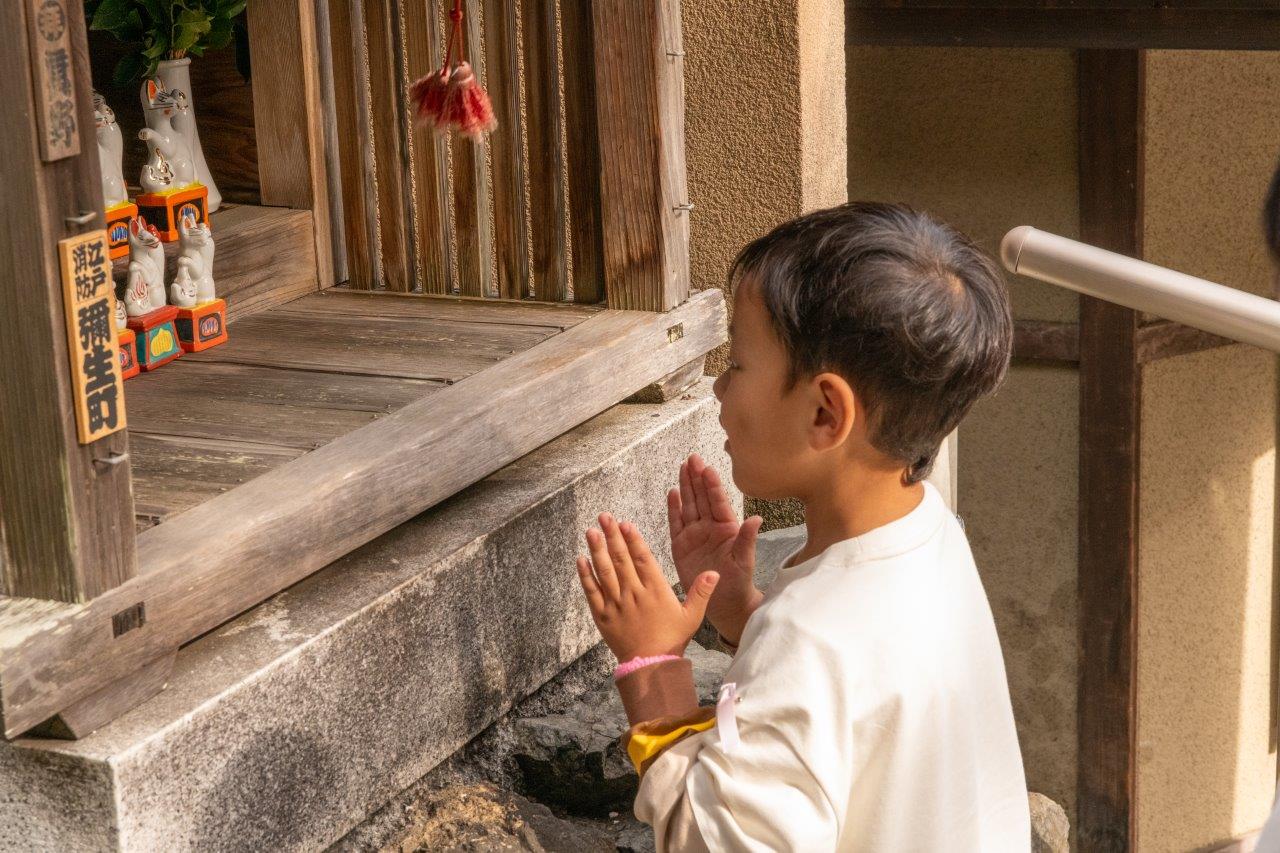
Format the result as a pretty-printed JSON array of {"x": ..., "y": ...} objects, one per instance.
[
  {"x": 453, "y": 99},
  {"x": 428, "y": 94},
  {"x": 466, "y": 106}
]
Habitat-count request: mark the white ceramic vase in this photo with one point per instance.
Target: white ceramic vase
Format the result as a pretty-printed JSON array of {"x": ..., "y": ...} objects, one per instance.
[{"x": 176, "y": 74}]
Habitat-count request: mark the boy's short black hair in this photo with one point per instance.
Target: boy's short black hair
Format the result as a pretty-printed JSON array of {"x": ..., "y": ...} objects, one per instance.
[{"x": 906, "y": 308}]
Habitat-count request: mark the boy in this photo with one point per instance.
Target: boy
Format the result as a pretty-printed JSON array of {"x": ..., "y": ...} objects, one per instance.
[{"x": 872, "y": 710}]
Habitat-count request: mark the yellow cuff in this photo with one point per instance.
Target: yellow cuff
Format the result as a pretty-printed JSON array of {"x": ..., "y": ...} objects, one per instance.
[{"x": 643, "y": 747}]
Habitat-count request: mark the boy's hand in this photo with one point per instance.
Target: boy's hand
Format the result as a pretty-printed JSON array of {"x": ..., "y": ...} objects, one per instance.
[
  {"x": 706, "y": 536},
  {"x": 631, "y": 602}
]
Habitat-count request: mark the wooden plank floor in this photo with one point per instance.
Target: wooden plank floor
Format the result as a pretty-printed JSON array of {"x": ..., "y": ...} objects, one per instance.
[{"x": 297, "y": 376}]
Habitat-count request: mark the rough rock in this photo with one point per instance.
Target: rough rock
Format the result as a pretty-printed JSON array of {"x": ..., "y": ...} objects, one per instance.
[
  {"x": 466, "y": 818},
  {"x": 1050, "y": 830},
  {"x": 573, "y": 760}
]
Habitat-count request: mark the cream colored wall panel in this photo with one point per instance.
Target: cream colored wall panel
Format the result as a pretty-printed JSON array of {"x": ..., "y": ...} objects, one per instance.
[
  {"x": 1213, "y": 138},
  {"x": 983, "y": 138},
  {"x": 1018, "y": 493},
  {"x": 1206, "y": 764}
]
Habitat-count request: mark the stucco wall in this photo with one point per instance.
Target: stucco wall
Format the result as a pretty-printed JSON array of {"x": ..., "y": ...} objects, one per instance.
[
  {"x": 1206, "y": 759},
  {"x": 986, "y": 140},
  {"x": 764, "y": 135}
]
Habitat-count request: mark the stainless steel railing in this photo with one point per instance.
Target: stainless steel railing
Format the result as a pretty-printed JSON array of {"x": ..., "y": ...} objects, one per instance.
[{"x": 1142, "y": 286}]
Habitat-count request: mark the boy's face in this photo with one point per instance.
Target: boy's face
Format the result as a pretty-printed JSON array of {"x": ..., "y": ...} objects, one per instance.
[{"x": 766, "y": 423}]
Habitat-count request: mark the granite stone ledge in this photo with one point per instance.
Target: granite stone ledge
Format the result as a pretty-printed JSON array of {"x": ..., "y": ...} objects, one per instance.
[{"x": 289, "y": 725}]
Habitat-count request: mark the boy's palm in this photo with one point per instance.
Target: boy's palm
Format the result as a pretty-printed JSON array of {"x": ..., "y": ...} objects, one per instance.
[{"x": 707, "y": 536}]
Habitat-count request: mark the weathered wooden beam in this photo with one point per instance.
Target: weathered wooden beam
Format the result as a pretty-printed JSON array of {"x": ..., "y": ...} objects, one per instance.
[
  {"x": 1039, "y": 340},
  {"x": 349, "y": 51},
  {"x": 68, "y": 524},
  {"x": 473, "y": 208},
  {"x": 506, "y": 147},
  {"x": 390, "y": 147},
  {"x": 429, "y": 153},
  {"x": 639, "y": 68},
  {"x": 1165, "y": 339},
  {"x": 228, "y": 554},
  {"x": 671, "y": 385},
  {"x": 1110, "y": 91},
  {"x": 287, "y": 117},
  {"x": 547, "y": 204},
  {"x": 583, "y": 150},
  {"x": 1110, "y": 28}
]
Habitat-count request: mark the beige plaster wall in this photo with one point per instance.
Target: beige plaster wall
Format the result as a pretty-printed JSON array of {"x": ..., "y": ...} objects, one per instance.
[
  {"x": 764, "y": 134},
  {"x": 986, "y": 140},
  {"x": 1206, "y": 759}
]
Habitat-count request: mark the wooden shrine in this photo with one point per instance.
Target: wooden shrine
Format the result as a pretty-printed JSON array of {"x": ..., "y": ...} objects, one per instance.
[{"x": 408, "y": 314}]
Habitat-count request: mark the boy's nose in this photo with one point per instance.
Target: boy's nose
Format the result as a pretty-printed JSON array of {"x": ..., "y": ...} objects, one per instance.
[{"x": 717, "y": 387}]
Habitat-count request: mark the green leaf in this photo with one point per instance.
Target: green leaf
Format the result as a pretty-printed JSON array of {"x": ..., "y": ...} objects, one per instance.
[
  {"x": 160, "y": 13},
  {"x": 189, "y": 28},
  {"x": 195, "y": 50},
  {"x": 231, "y": 8},
  {"x": 159, "y": 43},
  {"x": 133, "y": 29},
  {"x": 219, "y": 34},
  {"x": 112, "y": 16},
  {"x": 128, "y": 69}
]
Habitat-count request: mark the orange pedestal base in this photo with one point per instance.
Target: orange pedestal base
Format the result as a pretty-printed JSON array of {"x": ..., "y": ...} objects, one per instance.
[
  {"x": 157, "y": 342},
  {"x": 203, "y": 326},
  {"x": 166, "y": 210},
  {"x": 128, "y": 341},
  {"x": 118, "y": 228}
]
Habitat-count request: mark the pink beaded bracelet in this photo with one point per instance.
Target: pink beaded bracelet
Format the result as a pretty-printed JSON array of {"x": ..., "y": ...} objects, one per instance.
[{"x": 625, "y": 669}]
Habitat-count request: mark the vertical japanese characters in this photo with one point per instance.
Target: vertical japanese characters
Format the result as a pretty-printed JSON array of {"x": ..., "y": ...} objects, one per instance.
[{"x": 89, "y": 301}]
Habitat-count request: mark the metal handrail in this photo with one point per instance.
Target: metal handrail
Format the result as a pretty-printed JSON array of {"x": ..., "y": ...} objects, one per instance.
[{"x": 1136, "y": 284}]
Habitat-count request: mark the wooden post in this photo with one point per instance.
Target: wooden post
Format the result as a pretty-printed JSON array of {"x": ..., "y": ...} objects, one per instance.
[
  {"x": 287, "y": 116},
  {"x": 68, "y": 508},
  {"x": 1111, "y": 94},
  {"x": 640, "y": 111}
]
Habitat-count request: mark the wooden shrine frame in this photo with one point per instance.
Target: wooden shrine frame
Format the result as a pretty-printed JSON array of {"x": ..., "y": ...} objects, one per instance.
[{"x": 90, "y": 615}]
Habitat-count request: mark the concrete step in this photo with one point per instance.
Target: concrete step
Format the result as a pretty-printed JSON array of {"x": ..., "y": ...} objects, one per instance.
[{"x": 289, "y": 725}]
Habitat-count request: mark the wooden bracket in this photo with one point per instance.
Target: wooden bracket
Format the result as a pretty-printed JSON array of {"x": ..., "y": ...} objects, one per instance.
[
  {"x": 672, "y": 385},
  {"x": 83, "y": 718}
]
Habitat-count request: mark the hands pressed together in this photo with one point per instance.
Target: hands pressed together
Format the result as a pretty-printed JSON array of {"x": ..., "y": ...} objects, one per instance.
[{"x": 631, "y": 602}]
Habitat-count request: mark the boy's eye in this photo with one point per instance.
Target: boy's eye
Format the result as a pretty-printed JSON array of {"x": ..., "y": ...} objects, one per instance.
[{"x": 733, "y": 365}]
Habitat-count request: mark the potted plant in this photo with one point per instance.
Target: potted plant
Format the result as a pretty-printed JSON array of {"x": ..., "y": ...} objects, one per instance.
[{"x": 164, "y": 35}]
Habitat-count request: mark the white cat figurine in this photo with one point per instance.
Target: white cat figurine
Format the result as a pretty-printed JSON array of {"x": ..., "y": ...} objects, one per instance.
[
  {"x": 122, "y": 316},
  {"x": 110, "y": 152},
  {"x": 169, "y": 166},
  {"x": 195, "y": 261},
  {"x": 144, "y": 290}
]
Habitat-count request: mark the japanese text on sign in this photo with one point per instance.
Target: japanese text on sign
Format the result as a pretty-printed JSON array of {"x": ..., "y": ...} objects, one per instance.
[
  {"x": 51, "y": 69},
  {"x": 89, "y": 297}
]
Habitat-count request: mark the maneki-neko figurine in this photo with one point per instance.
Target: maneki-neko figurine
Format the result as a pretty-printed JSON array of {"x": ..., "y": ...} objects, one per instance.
[
  {"x": 170, "y": 189},
  {"x": 202, "y": 317},
  {"x": 149, "y": 316},
  {"x": 115, "y": 197}
]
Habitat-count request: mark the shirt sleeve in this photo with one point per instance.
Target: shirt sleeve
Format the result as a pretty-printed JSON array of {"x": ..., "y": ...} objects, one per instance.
[{"x": 778, "y": 788}]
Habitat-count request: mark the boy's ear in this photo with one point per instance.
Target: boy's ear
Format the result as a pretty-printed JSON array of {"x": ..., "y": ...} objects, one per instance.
[{"x": 835, "y": 413}]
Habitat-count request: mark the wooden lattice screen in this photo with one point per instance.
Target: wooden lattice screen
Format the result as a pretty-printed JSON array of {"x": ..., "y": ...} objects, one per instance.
[{"x": 516, "y": 218}]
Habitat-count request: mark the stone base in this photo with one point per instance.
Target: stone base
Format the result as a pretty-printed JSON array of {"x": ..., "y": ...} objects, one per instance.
[{"x": 288, "y": 726}]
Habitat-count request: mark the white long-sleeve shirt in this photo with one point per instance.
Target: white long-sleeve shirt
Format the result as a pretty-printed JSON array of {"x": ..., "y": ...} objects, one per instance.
[{"x": 874, "y": 711}]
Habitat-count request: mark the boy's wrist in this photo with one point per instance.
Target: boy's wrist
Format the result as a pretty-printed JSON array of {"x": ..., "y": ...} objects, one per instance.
[
  {"x": 662, "y": 689},
  {"x": 730, "y": 627}
]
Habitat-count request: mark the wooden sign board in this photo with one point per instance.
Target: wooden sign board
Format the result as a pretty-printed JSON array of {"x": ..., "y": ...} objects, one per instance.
[
  {"x": 49, "y": 34},
  {"x": 90, "y": 304}
]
